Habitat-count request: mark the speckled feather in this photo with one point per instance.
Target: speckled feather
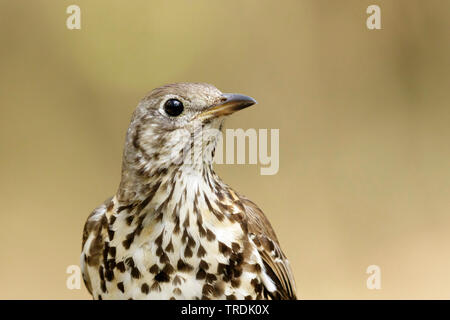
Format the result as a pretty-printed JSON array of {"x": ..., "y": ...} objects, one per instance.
[{"x": 174, "y": 230}]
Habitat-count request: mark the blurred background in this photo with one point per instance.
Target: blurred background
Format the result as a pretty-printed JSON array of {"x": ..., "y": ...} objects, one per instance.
[{"x": 364, "y": 116}]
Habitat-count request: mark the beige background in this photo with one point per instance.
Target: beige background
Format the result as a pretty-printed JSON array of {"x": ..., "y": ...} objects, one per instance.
[{"x": 363, "y": 116}]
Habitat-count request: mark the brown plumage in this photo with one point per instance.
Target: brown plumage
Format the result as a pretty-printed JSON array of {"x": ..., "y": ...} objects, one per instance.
[{"x": 174, "y": 230}]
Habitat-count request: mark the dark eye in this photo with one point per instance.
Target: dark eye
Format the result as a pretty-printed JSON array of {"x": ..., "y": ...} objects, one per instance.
[{"x": 173, "y": 107}]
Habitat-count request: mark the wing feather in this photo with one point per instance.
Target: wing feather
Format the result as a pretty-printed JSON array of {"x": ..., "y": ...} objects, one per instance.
[
  {"x": 275, "y": 262},
  {"x": 93, "y": 242}
]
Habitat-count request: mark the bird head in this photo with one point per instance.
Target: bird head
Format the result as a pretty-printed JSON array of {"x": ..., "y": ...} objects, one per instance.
[{"x": 179, "y": 124}]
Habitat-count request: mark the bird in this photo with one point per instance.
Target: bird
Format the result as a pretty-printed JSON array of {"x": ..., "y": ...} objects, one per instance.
[{"x": 174, "y": 230}]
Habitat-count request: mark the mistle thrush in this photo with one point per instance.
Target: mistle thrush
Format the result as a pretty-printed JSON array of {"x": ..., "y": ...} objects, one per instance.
[{"x": 174, "y": 229}]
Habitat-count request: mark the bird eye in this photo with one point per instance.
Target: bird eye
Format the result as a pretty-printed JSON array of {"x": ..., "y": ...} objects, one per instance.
[{"x": 173, "y": 107}]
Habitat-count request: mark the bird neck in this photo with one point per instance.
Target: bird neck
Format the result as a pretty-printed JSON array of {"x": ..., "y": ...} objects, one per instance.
[{"x": 138, "y": 184}]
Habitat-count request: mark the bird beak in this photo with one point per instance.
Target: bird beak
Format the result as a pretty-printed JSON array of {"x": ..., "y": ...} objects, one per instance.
[{"x": 231, "y": 103}]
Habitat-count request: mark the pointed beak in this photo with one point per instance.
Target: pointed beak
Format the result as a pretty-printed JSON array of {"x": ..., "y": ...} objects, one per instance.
[{"x": 231, "y": 103}]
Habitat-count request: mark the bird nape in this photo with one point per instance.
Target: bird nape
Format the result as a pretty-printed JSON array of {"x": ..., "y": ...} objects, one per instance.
[{"x": 174, "y": 229}]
